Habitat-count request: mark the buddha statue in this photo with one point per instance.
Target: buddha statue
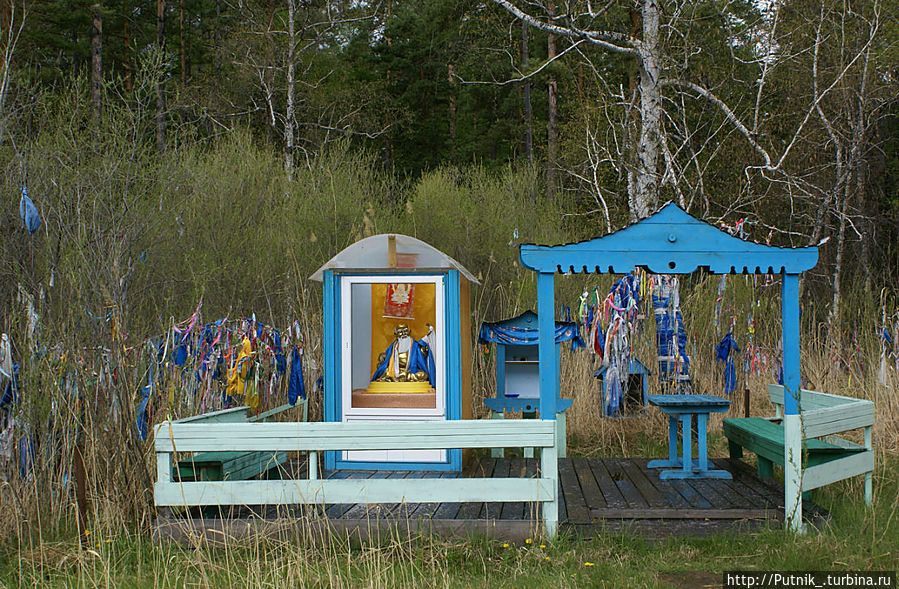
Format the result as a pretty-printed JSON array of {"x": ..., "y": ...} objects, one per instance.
[{"x": 406, "y": 359}]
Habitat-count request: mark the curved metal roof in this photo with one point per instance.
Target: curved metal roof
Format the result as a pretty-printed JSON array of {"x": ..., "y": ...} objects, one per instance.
[{"x": 372, "y": 253}]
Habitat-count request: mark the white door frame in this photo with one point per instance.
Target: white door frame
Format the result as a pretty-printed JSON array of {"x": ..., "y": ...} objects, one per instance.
[{"x": 346, "y": 369}]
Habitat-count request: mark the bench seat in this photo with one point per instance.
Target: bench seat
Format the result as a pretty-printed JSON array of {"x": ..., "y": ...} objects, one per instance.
[
  {"x": 766, "y": 439},
  {"x": 826, "y": 457},
  {"x": 228, "y": 466},
  {"x": 232, "y": 466}
]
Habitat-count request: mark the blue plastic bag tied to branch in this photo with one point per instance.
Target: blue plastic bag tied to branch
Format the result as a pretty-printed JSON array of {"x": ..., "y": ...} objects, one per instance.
[{"x": 28, "y": 212}]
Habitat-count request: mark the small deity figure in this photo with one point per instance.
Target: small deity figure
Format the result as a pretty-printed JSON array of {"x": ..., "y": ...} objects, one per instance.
[{"x": 406, "y": 359}]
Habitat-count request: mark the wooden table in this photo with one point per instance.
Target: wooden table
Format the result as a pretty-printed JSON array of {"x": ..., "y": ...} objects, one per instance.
[{"x": 682, "y": 408}]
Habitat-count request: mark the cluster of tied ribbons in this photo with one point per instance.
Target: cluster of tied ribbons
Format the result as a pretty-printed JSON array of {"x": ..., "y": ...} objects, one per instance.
[
  {"x": 196, "y": 368},
  {"x": 611, "y": 325}
]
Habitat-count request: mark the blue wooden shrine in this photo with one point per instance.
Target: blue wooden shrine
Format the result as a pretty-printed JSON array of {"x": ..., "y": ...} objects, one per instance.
[
  {"x": 637, "y": 389},
  {"x": 392, "y": 302},
  {"x": 673, "y": 242},
  {"x": 517, "y": 368}
]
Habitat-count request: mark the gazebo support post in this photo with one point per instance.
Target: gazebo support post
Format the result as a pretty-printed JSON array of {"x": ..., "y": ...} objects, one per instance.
[
  {"x": 792, "y": 417},
  {"x": 549, "y": 385}
]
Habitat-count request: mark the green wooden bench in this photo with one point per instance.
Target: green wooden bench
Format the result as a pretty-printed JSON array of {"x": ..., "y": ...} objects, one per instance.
[
  {"x": 232, "y": 466},
  {"x": 228, "y": 466},
  {"x": 824, "y": 460}
]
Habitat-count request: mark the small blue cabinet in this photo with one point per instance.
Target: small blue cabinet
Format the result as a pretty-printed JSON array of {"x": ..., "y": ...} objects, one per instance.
[{"x": 518, "y": 369}]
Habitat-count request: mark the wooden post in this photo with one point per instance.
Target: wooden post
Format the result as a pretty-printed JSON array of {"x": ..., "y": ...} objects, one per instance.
[
  {"x": 791, "y": 420},
  {"x": 391, "y": 251},
  {"x": 746, "y": 401},
  {"x": 549, "y": 469},
  {"x": 546, "y": 349}
]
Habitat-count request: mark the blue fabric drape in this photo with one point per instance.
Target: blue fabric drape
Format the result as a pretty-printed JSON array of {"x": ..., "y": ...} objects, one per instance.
[
  {"x": 523, "y": 336},
  {"x": 723, "y": 354},
  {"x": 296, "y": 388},
  {"x": 420, "y": 360}
]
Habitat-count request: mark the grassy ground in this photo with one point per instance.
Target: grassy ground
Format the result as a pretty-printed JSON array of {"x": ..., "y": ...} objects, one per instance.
[{"x": 858, "y": 538}]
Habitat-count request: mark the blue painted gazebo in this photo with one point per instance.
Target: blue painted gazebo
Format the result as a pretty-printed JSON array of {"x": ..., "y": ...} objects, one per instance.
[{"x": 673, "y": 242}]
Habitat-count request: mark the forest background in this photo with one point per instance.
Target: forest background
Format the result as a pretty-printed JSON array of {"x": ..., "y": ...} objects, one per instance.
[{"x": 221, "y": 151}]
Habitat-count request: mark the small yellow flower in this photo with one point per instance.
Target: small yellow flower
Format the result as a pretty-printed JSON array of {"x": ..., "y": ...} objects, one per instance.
[
  {"x": 589, "y": 564},
  {"x": 505, "y": 544},
  {"x": 87, "y": 532},
  {"x": 528, "y": 541},
  {"x": 108, "y": 540},
  {"x": 543, "y": 546},
  {"x": 545, "y": 558}
]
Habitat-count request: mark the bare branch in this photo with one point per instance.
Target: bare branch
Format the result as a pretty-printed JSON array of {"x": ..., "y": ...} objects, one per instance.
[
  {"x": 605, "y": 39},
  {"x": 728, "y": 113},
  {"x": 524, "y": 77}
]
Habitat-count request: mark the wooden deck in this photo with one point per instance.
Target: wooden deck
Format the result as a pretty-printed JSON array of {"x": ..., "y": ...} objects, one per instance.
[{"x": 597, "y": 495}]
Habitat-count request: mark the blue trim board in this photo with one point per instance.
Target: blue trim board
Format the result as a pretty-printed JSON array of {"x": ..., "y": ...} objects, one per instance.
[
  {"x": 524, "y": 405},
  {"x": 331, "y": 352},
  {"x": 500, "y": 372},
  {"x": 668, "y": 242},
  {"x": 453, "y": 345}
]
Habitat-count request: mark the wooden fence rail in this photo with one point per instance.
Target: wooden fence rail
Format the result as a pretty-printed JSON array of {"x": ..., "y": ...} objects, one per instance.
[{"x": 172, "y": 437}]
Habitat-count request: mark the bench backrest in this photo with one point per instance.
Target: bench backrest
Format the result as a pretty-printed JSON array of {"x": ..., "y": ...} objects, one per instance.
[
  {"x": 233, "y": 415},
  {"x": 302, "y": 436},
  {"x": 825, "y": 414}
]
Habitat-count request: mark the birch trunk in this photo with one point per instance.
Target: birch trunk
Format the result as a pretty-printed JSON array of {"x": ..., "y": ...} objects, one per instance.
[
  {"x": 646, "y": 184},
  {"x": 289, "y": 119},
  {"x": 182, "y": 48}
]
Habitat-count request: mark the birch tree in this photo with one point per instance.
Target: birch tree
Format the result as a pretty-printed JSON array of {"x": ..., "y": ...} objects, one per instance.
[{"x": 654, "y": 143}]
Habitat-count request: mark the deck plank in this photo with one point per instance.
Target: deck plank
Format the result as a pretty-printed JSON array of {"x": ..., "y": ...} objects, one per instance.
[
  {"x": 478, "y": 467},
  {"x": 595, "y": 494},
  {"x": 589, "y": 487},
  {"x": 649, "y": 491},
  {"x": 493, "y": 509},
  {"x": 690, "y": 494},
  {"x": 628, "y": 489},
  {"x": 515, "y": 509},
  {"x": 610, "y": 491},
  {"x": 714, "y": 493},
  {"x": 671, "y": 495},
  {"x": 576, "y": 506}
]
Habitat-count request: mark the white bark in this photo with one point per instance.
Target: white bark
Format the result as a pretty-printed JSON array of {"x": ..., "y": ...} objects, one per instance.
[
  {"x": 646, "y": 194},
  {"x": 289, "y": 117}
]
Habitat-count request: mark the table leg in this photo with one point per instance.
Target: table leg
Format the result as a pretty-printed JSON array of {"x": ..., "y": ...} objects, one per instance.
[
  {"x": 672, "y": 439},
  {"x": 673, "y": 460},
  {"x": 702, "y": 420},
  {"x": 686, "y": 441}
]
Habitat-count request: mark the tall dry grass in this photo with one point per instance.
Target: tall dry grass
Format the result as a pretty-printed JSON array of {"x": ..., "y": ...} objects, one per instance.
[{"x": 147, "y": 235}]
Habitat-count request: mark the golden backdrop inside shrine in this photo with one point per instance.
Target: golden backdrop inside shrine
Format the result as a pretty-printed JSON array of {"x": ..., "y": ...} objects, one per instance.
[{"x": 422, "y": 312}]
